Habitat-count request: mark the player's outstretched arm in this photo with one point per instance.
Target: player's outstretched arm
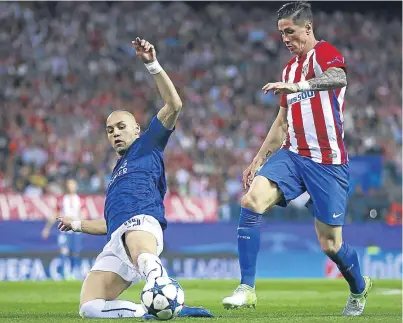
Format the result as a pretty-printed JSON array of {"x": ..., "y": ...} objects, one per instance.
[
  {"x": 276, "y": 135},
  {"x": 95, "y": 227},
  {"x": 331, "y": 79},
  {"x": 271, "y": 144},
  {"x": 169, "y": 114}
]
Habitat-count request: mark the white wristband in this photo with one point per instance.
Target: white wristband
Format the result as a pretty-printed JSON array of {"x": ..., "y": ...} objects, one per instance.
[
  {"x": 303, "y": 86},
  {"x": 153, "y": 67},
  {"x": 76, "y": 226}
]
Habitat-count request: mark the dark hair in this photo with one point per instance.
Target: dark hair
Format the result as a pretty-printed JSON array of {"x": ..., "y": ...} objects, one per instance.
[{"x": 298, "y": 11}]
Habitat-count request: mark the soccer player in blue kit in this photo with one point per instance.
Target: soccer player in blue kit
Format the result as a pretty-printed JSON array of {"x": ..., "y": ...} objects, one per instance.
[{"x": 134, "y": 211}]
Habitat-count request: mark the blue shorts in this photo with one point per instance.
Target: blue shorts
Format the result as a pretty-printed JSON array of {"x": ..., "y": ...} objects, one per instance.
[
  {"x": 70, "y": 241},
  {"x": 327, "y": 185}
]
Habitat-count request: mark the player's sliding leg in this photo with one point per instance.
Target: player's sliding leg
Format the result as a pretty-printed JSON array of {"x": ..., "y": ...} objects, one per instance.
[
  {"x": 346, "y": 259},
  {"x": 143, "y": 248},
  {"x": 262, "y": 195},
  {"x": 99, "y": 295},
  {"x": 114, "y": 270}
]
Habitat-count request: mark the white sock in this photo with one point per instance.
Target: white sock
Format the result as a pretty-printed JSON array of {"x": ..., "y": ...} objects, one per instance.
[
  {"x": 150, "y": 266},
  {"x": 99, "y": 308}
]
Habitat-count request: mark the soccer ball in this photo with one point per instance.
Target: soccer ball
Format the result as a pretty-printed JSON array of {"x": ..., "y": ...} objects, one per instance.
[{"x": 162, "y": 298}]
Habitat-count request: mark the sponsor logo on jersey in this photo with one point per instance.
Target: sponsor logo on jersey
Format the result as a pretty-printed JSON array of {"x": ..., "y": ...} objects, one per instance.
[
  {"x": 301, "y": 97},
  {"x": 121, "y": 171}
]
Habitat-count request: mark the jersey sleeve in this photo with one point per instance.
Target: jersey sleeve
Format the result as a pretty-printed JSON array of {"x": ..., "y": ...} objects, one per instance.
[
  {"x": 156, "y": 136},
  {"x": 328, "y": 56}
]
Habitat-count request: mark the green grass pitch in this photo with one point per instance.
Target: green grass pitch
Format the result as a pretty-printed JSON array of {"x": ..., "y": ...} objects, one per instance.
[{"x": 278, "y": 301}]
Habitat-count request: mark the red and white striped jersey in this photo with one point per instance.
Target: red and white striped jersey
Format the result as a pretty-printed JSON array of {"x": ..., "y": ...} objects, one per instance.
[
  {"x": 315, "y": 118},
  {"x": 70, "y": 205}
]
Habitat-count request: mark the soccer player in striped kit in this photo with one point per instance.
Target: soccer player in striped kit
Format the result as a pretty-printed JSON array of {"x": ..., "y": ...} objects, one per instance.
[{"x": 303, "y": 151}]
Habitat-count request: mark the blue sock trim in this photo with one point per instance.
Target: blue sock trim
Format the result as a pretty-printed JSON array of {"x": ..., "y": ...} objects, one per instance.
[{"x": 249, "y": 218}]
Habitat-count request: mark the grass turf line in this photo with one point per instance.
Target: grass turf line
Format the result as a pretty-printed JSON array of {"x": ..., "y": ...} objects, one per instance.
[{"x": 278, "y": 301}]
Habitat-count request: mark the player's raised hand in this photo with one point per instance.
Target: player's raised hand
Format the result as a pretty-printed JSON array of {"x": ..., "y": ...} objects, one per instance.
[
  {"x": 64, "y": 223},
  {"x": 249, "y": 173},
  {"x": 280, "y": 87},
  {"x": 144, "y": 50}
]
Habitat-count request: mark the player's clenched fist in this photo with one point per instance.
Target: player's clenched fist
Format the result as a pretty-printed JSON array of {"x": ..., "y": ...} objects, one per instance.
[
  {"x": 64, "y": 223},
  {"x": 144, "y": 50}
]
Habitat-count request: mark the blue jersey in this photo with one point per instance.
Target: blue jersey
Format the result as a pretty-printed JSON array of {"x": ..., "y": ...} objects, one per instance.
[{"x": 137, "y": 184}]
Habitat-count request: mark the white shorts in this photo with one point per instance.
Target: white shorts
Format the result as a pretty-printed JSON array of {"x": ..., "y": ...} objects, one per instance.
[{"x": 114, "y": 258}]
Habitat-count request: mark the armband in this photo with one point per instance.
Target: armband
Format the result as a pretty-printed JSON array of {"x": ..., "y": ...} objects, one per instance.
[
  {"x": 153, "y": 67},
  {"x": 76, "y": 226}
]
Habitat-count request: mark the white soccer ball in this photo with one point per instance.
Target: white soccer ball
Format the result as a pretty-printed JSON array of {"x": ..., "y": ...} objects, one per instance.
[{"x": 162, "y": 298}]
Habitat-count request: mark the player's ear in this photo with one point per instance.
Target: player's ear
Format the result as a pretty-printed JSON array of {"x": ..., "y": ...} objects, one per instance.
[
  {"x": 308, "y": 28},
  {"x": 137, "y": 129}
]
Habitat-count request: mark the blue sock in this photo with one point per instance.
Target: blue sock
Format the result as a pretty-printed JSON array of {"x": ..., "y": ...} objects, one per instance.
[
  {"x": 248, "y": 244},
  {"x": 346, "y": 260}
]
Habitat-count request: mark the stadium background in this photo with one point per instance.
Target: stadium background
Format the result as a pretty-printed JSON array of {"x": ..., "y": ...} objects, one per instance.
[{"x": 66, "y": 66}]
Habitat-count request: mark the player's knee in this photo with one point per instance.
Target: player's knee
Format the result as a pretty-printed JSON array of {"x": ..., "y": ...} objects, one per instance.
[
  {"x": 151, "y": 266},
  {"x": 254, "y": 202},
  {"x": 92, "y": 308},
  {"x": 262, "y": 195},
  {"x": 330, "y": 237},
  {"x": 138, "y": 242}
]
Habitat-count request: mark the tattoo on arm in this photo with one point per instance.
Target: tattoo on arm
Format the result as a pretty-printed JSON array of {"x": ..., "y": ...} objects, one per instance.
[
  {"x": 333, "y": 78},
  {"x": 168, "y": 116}
]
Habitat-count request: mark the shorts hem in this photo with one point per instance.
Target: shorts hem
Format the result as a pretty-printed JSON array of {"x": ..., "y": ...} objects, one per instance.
[
  {"x": 333, "y": 224},
  {"x": 309, "y": 206}
]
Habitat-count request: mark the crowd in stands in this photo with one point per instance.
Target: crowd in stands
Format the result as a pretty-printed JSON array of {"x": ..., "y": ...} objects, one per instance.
[{"x": 66, "y": 65}]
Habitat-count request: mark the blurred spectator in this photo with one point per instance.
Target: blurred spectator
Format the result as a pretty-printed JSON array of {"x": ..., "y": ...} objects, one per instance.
[
  {"x": 4, "y": 148},
  {"x": 67, "y": 65}
]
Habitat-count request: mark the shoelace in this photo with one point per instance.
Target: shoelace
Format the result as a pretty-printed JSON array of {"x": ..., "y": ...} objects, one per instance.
[
  {"x": 241, "y": 288},
  {"x": 355, "y": 302}
]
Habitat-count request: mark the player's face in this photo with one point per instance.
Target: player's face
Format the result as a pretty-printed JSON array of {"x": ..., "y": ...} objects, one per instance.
[
  {"x": 122, "y": 130},
  {"x": 294, "y": 36},
  {"x": 71, "y": 186}
]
